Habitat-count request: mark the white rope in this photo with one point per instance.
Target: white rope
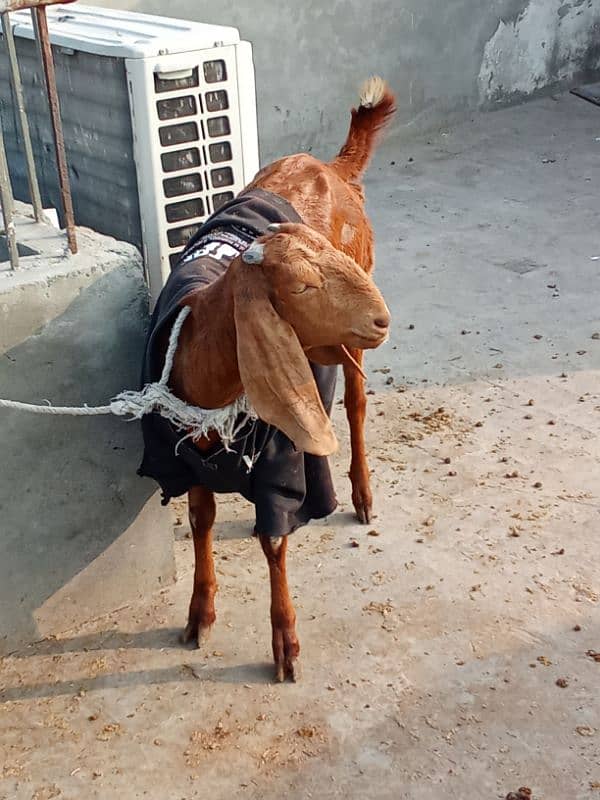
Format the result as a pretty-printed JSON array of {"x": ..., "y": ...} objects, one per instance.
[
  {"x": 156, "y": 397},
  {"x": 173, "y": 339},
  {"x": 84, "y": 411}
]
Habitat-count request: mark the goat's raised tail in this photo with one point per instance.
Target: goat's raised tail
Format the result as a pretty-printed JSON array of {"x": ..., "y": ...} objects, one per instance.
[{"x": 377, "y": 105}]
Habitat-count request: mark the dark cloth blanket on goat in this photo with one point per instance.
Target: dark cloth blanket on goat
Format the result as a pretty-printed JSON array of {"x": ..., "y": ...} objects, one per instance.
[{"x": 287, "y": 487}]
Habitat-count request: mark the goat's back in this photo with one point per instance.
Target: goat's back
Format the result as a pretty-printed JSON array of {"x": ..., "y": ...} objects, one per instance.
[{"x": 326, "y": 202}]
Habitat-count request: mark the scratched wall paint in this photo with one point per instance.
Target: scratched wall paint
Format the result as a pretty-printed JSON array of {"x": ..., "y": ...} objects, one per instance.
[{"x": 550, "y": 42}]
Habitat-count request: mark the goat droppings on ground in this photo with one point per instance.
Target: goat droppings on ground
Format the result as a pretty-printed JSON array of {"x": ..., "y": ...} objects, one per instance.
[
  {"x": 593, "y": 655},
  {"x": 524, "y": 793}
]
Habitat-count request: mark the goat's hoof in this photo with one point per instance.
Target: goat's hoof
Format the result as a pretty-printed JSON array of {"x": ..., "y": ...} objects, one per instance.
[
  {"x": 286, "y": 650},
  {"x": 195, "y": 632},
  {"x": 362, "y": 499},
  {"x": 363, "y": 508},
  {"x": 363, "y": 515},
  {"x": 290, "y": 668}
]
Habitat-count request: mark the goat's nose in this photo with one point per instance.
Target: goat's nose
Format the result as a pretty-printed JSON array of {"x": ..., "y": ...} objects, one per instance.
[{"x": 382, "y": 321}]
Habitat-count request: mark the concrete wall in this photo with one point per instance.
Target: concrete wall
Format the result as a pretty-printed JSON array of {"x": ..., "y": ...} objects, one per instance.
[
  {"x": 80, "y": 533},
  {"x": 441, "y": 56}
]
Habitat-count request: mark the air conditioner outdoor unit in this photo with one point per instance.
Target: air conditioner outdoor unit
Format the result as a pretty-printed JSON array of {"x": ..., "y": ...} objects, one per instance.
[{"x": 191, "y": 132}]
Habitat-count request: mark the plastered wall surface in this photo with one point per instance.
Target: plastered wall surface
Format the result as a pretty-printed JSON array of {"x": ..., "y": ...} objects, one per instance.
[{"x": 442, "y": 58}]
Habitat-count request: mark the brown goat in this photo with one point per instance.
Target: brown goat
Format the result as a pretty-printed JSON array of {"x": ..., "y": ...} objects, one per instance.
[
  {"x": 330, "y": 199},
  {"x": 300, "y": 293}
]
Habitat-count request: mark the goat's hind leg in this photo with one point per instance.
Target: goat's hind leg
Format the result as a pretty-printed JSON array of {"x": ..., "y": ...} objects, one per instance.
[
  {"x": 355, "y": 400},
  {"x": 286, "y": 647},
  {"x": 201, "y": 617}
]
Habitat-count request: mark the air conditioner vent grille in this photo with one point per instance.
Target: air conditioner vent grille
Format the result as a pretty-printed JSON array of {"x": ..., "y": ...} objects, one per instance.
[
  {"x": 214, "y": 71},
  {"x": 178, "y": 134},
  {"x": 176, "y": 107},
  {"x": 162, "y": 83},
  {"x": 216, "y": 101},
  {"x": 182, "y": 185},
  {"x": 220, "y": 199},
  {"x": 184, "y": 210},
  {"x": 197, "y": 101},
  {"x": 219, "y": 152},
  {"x": 180, "y": 159}
]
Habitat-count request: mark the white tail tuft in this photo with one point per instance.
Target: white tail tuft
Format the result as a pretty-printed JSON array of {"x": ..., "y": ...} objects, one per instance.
[{"x": 372, "y": 91}]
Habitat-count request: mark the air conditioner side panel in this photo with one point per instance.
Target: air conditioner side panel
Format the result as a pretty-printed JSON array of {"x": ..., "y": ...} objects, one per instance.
[
  {"x": 247, "y": 105},
  {"x": 97, "y": 130},
  {"x": 146, "y": 153}
]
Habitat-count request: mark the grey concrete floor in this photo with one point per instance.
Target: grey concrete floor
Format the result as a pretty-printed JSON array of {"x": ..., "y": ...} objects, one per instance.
[
  {"x": 448, "y": 653},
  {"x": 475, "y": 226}
]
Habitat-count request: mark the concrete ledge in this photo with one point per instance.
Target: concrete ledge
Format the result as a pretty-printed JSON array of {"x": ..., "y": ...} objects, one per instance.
[{"x": 80, "y": 533}]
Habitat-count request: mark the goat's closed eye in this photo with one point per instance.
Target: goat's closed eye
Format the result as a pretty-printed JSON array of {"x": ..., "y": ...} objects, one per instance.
[{"x": 300, "y": 288}]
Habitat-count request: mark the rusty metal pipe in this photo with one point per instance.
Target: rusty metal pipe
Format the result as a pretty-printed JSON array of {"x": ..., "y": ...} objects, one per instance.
[
  {"x": 40, "y": 23},
  {"x": 6, "y": 198},
  {"x": 15, "y": 74}
]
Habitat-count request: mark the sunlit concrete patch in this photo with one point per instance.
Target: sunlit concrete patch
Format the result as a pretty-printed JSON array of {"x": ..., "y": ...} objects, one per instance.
[{"x": 448, "y": 643}]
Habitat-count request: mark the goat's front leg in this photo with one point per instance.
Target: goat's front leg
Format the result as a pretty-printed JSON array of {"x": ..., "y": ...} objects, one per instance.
[
  {"x": 286, "y": 647},
  {"x": 202, "y": 512},
  {"x": 355, "y": 401}
]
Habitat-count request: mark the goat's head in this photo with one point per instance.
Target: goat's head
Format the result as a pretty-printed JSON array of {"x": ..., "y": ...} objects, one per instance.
[
  {"x": 294, "y": 291},
  {"x": 322, "y": 293}
]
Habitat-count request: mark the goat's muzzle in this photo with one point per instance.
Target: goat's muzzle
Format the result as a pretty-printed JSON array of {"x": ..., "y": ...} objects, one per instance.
[{"x": 373, "y": 330}]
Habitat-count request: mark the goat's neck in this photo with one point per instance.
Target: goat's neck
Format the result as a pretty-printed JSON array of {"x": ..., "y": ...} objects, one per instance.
[
  {"x": 307, "y": 191},
  {"x": 205, "y": 370}
]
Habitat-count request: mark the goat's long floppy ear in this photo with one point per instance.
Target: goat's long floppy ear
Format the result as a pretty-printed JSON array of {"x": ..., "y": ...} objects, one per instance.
[{"x": 274, "y": 369}]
